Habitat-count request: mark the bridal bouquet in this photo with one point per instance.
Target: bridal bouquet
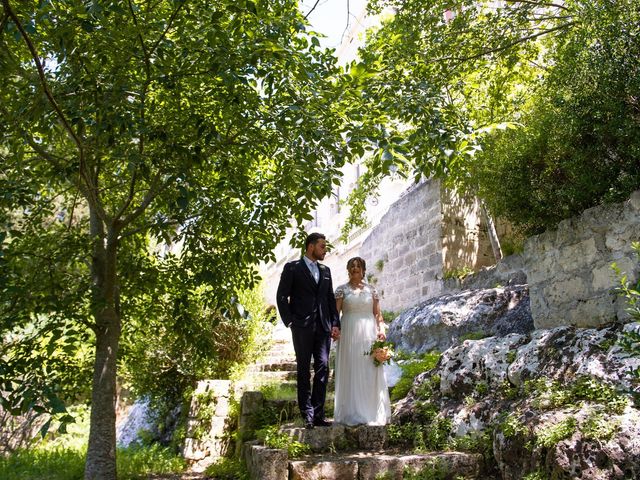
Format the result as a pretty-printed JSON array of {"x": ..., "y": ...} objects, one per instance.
[{"x": 381, "y": 351}]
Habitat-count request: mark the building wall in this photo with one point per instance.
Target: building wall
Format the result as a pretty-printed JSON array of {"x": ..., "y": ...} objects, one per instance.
[{"x": 404, "y": 251}]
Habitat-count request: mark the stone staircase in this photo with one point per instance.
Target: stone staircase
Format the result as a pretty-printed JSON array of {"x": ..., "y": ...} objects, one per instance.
[{"x": 338, "y": 452}]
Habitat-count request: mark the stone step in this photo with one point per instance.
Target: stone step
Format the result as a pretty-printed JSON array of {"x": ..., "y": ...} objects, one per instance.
[
  {"x": 271, "y": 366},
  {"x": 273, "y": 376},
  {"x": 338, "y": 437},
  {"x": 266, "y": 463},
  {"x": 375, "y": 465}
]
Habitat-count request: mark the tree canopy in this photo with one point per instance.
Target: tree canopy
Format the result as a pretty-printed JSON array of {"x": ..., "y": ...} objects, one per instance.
[
  {"x": 128, "y": 127},
  {"x": 531, "y": 105}
]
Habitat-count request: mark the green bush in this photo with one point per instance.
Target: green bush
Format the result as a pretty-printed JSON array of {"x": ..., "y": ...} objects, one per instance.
[
  {"x": 579, "y": 144},
  {"x": 410, "y": 369}
]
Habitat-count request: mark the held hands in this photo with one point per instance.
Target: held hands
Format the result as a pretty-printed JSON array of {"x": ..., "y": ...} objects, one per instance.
[
  {"x": 382, "y": 335},
  {"x": 335, "y": 333}
]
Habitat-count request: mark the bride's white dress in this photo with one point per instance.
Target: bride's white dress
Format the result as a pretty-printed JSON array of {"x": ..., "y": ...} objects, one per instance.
[{"x": 361, "y": 395}]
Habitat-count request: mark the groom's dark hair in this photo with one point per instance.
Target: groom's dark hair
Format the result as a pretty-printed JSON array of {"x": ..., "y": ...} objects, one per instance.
[{"x": 312, "y": 238}]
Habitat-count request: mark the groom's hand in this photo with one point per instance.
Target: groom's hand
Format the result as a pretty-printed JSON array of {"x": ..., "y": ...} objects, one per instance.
[{"x": 335, "y": 333}]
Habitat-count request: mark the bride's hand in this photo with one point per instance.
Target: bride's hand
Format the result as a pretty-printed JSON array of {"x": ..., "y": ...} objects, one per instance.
[{"x": 382, "y": 336}]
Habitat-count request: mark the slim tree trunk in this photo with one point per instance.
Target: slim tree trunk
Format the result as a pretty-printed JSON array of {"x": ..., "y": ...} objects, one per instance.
[
  {"x": 101, "y": 452},
  {"x": 493, "y": 235}
]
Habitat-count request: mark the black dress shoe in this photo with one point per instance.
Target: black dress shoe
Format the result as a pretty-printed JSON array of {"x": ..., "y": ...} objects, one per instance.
[
  {"x": 309, "y": 425},
  {"x": 321, "y": 423}
]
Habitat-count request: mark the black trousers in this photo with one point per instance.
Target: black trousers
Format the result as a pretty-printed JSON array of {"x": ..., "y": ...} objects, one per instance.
[{"x": 311, "y": 342}]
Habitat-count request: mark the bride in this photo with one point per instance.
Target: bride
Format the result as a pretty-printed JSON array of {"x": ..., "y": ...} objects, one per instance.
[{"x": 361, "y": 395}]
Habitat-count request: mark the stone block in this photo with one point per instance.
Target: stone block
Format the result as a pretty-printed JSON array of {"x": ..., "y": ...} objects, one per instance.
[
  {"x": 218, "y": 426},
  {"x": 542, "y": 267},
  {"x": 319, "y": 439},
  {"x": 603, "y": 277},
  {"x": 194, "y": 449},
  {"x": 222, "y": 407},
  {"x": 369, "y": 437},
  {"x": 567, "y": 290},
  {"x": 578, "y": 256},
  {"x": 634, "y": 201},
  {"x": 619, "y": 239},
  {"x": 338, "y": 469},
  {"x": 590, "y": 313},
  {"x": 251, "y": 403},
  {"x": 218, "y": 388},
  {"x": 265, "y": 463}
]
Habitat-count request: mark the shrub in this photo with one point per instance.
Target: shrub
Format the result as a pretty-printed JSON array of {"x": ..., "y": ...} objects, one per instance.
[{"x": 410, "y": 369}]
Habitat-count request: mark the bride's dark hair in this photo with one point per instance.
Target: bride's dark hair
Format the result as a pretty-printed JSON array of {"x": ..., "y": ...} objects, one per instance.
[{"x": 360, "y": 260}]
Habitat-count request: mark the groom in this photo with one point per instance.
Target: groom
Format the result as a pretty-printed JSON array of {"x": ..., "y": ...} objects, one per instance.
[{"x": 307, "y": 305}]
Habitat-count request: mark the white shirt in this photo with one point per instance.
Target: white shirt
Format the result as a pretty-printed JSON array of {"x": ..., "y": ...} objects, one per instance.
[{"x": 313, "y": 268}]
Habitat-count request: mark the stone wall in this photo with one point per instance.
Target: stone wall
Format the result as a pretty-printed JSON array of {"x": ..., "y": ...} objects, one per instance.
[
  {"x": 569, "y": 268},
  {"x": 427, "y": 232},
  {"x": 208, "y": 429},
  {"x": 404, "y": 251},
  {"x": 465, "y": 241}
]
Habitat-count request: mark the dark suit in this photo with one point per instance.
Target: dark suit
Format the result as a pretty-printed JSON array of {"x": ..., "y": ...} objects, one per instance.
[{"x": 309, "y": 308}]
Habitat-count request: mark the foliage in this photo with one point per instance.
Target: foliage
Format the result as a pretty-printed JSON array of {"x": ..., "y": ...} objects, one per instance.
[
  {"x": 435, "y": 470},
  {"x": 419, "y": 436},
  {"x": 550, "y": 435},
  {"x": 139, "y": 462},
  {"x": 475, "y": 442},
  {"x": 531, "y": 106},
  {"x": 477, "y": 335},
  {"x": 537, "y": 475},
  {"x": 512, "y": 426},
  {"x": 227, "y": 469},
  {"x": 630, "y": 340},
  {"x": 272, "y": 437},
  {"x": 43, "y": 464},
  {"x": 195, "y": 342},
  {"x": 546, "y": 394},
  {"x": 410, "y": 369},
  {"x": 599, "y": 426},
  {"x": 277, "y": 391},
  {"x": 457, "y": 273},
  {"x": 389, "y": 316},
  {"x": 151, "y": 156}
]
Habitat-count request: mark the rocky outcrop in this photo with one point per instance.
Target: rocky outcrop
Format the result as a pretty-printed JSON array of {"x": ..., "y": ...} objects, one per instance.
[
  {"x": 442, "y": 321},
  {"x": 557, "y": 401}
]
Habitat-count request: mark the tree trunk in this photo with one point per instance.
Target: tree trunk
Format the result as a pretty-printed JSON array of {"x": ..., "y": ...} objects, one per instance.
[
  {"x": 491, "y": 231},
  {"x": 101, "y": 452}
]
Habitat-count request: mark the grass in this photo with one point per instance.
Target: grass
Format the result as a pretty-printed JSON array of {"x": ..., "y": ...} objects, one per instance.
[
  {"x": 62, "y": 457},
  {"x": 59, "y": 463}
]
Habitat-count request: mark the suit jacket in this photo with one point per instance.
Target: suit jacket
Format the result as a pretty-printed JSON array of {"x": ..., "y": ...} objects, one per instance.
[{"x": 301, "y": 300}]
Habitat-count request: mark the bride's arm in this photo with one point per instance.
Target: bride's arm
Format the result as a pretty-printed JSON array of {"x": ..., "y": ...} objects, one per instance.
[{"x": 377, "y": 314}]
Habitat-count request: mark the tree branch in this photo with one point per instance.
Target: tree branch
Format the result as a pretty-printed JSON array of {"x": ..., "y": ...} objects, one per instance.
[
  {"x": 155, "y": 187},
  {"x": 539, "y": 4},
  {"x": 144, "y": 48},
  {"x": 312, "y": 9},
  {"x": 89, "y": 192},
  {"x": 169, "y": 25},
  {"x": 504, "y": 47},
  {"x": 43, "y": 80}
]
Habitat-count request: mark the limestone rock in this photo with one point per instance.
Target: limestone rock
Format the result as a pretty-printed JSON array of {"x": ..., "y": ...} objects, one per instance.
[
  {"x": 440, "y": 322},
  {"x": 583, "y": 381}
]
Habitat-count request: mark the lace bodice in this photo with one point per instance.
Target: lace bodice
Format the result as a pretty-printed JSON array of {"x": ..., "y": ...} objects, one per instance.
[{"x": 357, "y": 301}]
